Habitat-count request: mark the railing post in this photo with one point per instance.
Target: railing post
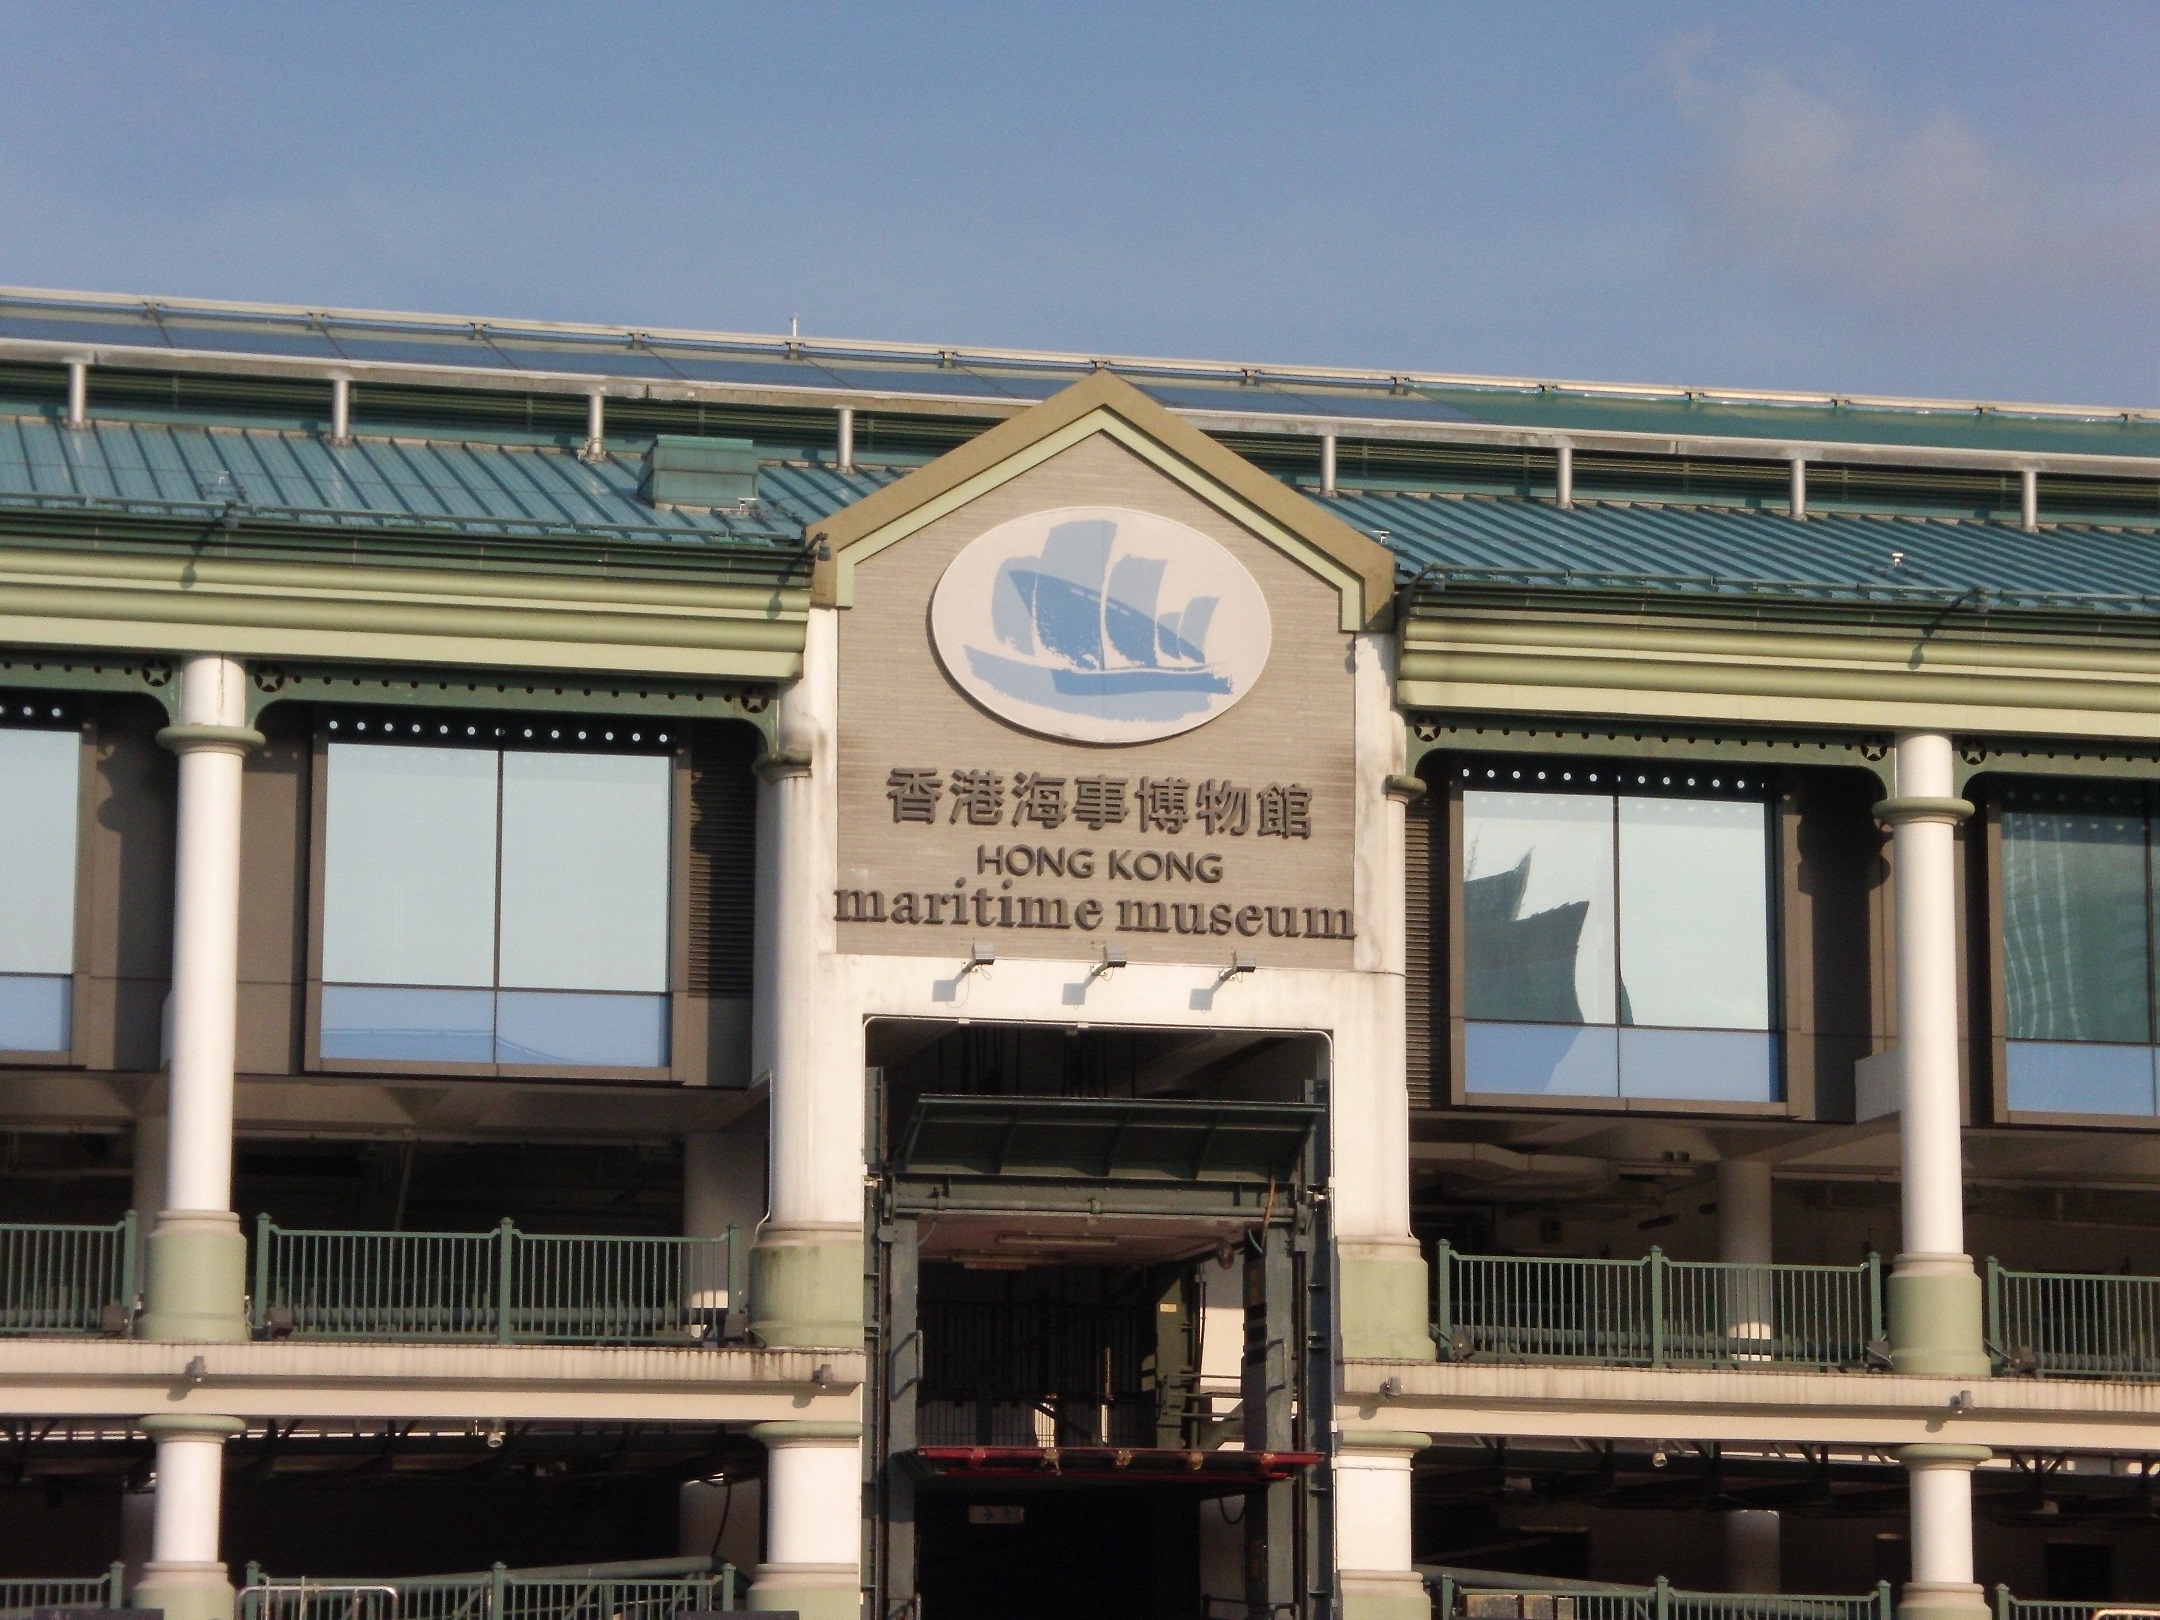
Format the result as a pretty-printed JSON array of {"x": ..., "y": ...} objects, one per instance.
[
  {"x": 727, "y": 1571},
  {"x": 116, "y": 1577},
  {"x": 504, "y": 1276},
  {"x": 261, "y": 1300},
  {"x": 1991, "y": 1331},
  {"x": 498, "y": 1580},
  {"x": 1657, "y": 1345},
  {"x": 1874, "y": 1297},
  {"x": 1663, "y": 1590},
  {"x": 1883, "y": 1601},
  {"x": 2002, "y": 1601},
  {"x": 128, "y": 1230},
  {"x": 738, "y": 1309},
  {"x": 1444, "y": 1301}
]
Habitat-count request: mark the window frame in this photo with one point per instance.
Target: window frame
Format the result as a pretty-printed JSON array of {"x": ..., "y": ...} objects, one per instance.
[
  {"x": 71, "y": 718},
  {"x": 1989, "y": 1005},
  {"x": 1781, "y": 876},
  {"x": 682, "y": 1060}
]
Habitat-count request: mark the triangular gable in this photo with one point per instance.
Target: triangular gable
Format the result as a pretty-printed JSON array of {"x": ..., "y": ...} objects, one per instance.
[{"x": 1361, "y": 570}]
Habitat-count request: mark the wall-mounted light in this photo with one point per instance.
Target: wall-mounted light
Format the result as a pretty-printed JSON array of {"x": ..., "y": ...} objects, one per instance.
[
  {"x": 1240, "y": 962},
  {"x": 982, "y": 953},
  {"x": 1113, "y": 956}
]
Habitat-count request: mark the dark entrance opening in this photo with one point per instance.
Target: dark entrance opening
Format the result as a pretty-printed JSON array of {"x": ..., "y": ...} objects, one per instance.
[
  {"x": 2080, "y": 1571},
  {"x": 1058, "y": 1554}
]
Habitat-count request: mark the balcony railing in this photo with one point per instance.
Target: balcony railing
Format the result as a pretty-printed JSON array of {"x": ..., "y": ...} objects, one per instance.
[
  {"x": 2063, "y": 1325},
  {"x": 2008, "y": 1607},
  {"x": 26, "y": 1596},
  {"x": 1478, "y": 1596},
  {"x": 498, "y": 1287},
  {"x": 67, "y": 1279},
  {"x": 1656, "y": 1312},
  {"x": 655, "y": 1590}
]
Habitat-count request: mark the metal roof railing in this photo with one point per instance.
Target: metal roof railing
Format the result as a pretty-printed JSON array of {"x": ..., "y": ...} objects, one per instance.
[
  {"x": 1482, "y": 1595},
  {"x": 27, "y": 1595}
]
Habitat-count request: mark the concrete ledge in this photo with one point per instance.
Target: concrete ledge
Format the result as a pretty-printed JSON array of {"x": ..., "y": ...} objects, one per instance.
[
  {"x": 1624, "y": 1403},
  {"x": 108, "y": 1377}
]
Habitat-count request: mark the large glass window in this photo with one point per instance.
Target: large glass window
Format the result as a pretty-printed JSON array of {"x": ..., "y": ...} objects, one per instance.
[
  {"x": 2077, "y": 923},
  {"x": 39, "y": 773},
  {"x": 1617, "y": 943},
  {"x": 493, "y": 906}
]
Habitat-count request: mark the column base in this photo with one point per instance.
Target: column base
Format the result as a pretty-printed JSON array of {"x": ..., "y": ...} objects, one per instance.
[
  {"x": 1942, "y": 1600},
  {"x": 1935, "y": 1317},
  {"x": 185, "y": 1591},
  {"x": 1385, "y": 1594},
  {"x": 195, "y": 1279},
  {"x": 806, "y": 1287},
  {"x": 1384, "y": 1301},
  {"x": 814, "y": 1591}
]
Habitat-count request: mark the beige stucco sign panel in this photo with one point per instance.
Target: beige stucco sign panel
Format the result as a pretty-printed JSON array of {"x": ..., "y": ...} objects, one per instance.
[{"x": 1087, "y": 707}]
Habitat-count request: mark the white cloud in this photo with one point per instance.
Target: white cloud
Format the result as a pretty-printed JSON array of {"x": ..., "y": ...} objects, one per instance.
[{"x": 1841, "y": 191}]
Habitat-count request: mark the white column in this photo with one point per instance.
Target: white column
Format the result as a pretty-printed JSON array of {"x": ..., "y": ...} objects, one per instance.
[
  {"x": 844, "y": 455},
  {"x": 1564, "y": 476},
  {"x": 813, "y": 1520},
  {"x": 806, "y": 1276},
  {"x": 197, "y": 1257},
  {"x": 1942, "y": 1585},
  {"x": 184, "y": 1575},
  {"x": 1381, "y": 1278},
  {"x": 1373, "y": 1550},
  {"x": 1934, "y": 1291}
]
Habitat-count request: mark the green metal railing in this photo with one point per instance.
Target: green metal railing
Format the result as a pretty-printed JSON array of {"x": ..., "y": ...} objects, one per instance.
[
  {"x": 23, "y": 1596},
  {"x": 1656, "y": 1312},
  {"x": 67, "y": 1279},
  {"x": 2008, "y": 1607},
  {"x": 653, "y": 1590},
  {"x": 2066, "y": 1325},
  {"x": 1586, "y": 1600},
  {"x": 502, "y": 1287}
]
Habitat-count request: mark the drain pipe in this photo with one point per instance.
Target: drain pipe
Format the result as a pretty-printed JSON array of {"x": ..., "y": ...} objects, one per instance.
[
  {"x": 1799, "y": 487},
  {"x": 78, "y": 404},
  {"x": 341, "y": 410},
  {"x": 595, "y": 428},
  {"x": 845, "y": 460},
  {"x": 2029, "y": 499},
  {"x": 1564, "y": 477},
  {"x": 1327, "y": 463}
]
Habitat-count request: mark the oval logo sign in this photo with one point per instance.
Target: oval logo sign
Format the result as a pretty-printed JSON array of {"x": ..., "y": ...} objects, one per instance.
[{"x": 1100, "y": 624}]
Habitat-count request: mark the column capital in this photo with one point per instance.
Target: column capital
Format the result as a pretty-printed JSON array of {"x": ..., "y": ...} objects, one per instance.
[
  {"x": 1939, "y": 1454},
  {"x": 202, "y": 739},
  {"x": 1922, "y": 808},
  {"x": 776, "y": 763},
  {"x": 1403, "y": 1442},
  {"x": 190, "y": 1426},
  {"x": 805, "y": 1433}
]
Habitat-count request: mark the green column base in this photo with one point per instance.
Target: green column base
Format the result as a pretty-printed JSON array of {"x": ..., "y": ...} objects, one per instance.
[
  {"x": 1385, "y": 1595},
  {"x": 1383, "y": 1299},
  {"x": 184, "y": 1591},
  {"x": 195, "y": 1279},
  {"x": 1934, "y": 1304},
  {"x": 1942, "y": 1600},
  {"x": 814, "y": 1591},
  {"x": 806, "y": 1288}
]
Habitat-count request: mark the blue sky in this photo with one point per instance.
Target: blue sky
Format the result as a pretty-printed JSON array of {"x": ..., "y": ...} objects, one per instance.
[{"x": 1919, "y": 198}]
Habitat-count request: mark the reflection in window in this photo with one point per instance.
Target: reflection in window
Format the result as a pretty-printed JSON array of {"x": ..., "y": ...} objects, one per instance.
[
  {"x": 2077, "y": 952},
  {"x": 38, "y": 784},
  {"x": 495, "y": 907},
  {"x": 1617, "y": 944}
]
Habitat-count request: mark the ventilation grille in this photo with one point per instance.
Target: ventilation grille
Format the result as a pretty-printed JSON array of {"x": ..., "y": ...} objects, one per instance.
[
  {"x": 723, "y": 859},
  {"x": 1420, "y": 902}
]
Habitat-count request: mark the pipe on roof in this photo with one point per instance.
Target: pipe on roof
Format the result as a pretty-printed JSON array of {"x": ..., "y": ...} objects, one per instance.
[
  {"x": 1327, "y": 463},
  {"x": 846, "y": 457},
  {"x": 78, "y": 398},
  {"x": 341, "y": 410},
  {"x": 1564, "y": 477},
  {"x": 595, "y": 426},
  {"x": 2029, "y": 499},
  {"x": 1798, "y": 497}
]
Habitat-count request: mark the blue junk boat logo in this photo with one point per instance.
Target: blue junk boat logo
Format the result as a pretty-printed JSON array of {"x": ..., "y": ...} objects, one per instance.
[{"x": 1101, "y": 624}]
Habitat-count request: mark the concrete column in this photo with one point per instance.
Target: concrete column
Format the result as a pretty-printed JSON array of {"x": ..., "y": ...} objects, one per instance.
[
  {"x": 1753, "y": 1551},
  {"x": 1933, "y": 1291},
  {"x": 1744, "y": 1234},
  {"x": 1942, "y": 1585},
  {"x": 184, "y": 1575},
  {"x": 196, "y": 1274},
  {"x": 844, "y": 454},
  {"x": 806, "y": 1272},
  {"x": 1373, "y": 1550},
  {"x": 813, "y": 1520},
  {"x": 1381, "y": 1280}
]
